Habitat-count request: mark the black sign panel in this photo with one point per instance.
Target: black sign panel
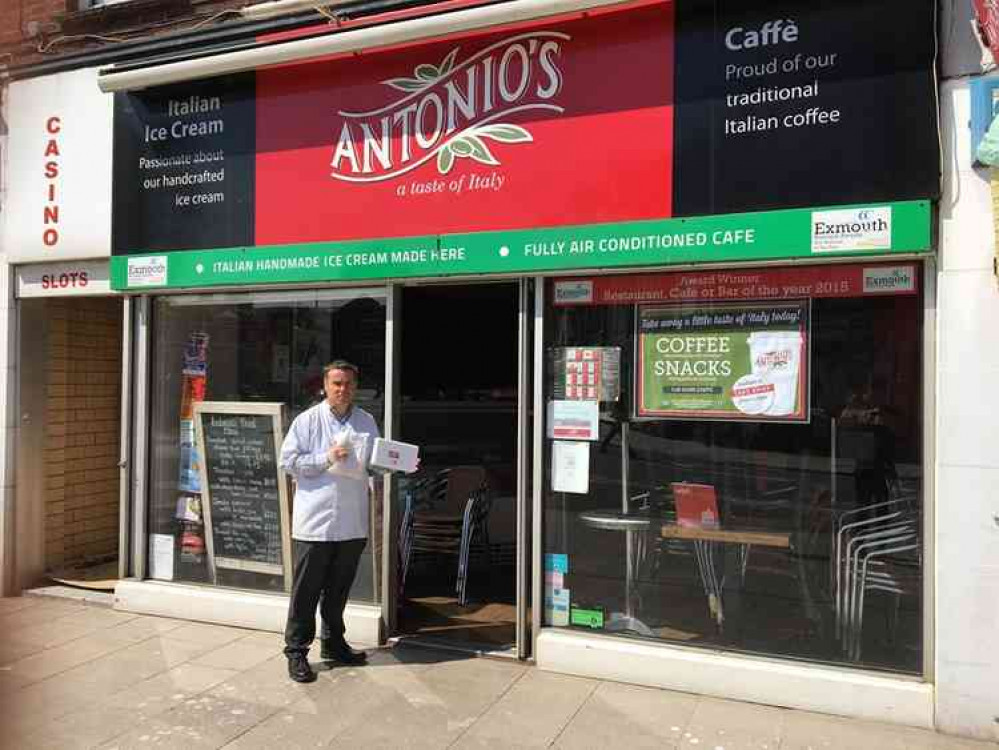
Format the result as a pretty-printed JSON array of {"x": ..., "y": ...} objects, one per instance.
[
  {"x": 783, "y": 103},
  {"x": 240, "y": 463},
  {"x": 184, "y": 166}
]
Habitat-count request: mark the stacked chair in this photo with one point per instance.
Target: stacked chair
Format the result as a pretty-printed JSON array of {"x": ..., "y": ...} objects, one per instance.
[
  {"x": 446, "y": 513},
  {"x": 875, "y": 548}
]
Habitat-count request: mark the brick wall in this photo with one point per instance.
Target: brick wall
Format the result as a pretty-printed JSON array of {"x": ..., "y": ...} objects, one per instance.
[
  {"x": 32, "y": 31},
  {"x": 83, "y": 376},
  {"x": 14, "y": 14}
]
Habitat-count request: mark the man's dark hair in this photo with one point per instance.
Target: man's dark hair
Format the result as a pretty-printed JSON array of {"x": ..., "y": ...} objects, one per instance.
[{"x": 341, "y": 364}]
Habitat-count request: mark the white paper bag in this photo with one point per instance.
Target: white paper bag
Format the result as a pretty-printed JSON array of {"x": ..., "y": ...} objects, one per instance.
[{"x": 354, "y": 465}]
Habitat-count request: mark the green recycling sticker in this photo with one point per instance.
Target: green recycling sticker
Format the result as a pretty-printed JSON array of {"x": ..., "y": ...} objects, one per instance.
[{"x": 587, "y": 618}]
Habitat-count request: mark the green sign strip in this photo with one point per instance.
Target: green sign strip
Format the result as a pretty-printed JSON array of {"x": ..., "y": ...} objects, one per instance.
[{"x": 850, "y": 231}]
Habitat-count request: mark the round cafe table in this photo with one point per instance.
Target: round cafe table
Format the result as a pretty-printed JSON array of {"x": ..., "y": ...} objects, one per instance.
[{"x": 635, "y": 526}]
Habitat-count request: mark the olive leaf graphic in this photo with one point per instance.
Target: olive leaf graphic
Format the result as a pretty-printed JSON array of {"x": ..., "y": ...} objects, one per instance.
[
  {"x": 427, "y": 72},
  {"x": 448, "y": 62},
  {"x": 471, "y": 145},
  {"x": 445, "y": 160},
  {"x": 505, "y": 133},
  {"x": 424, "y": 74},
  {"x": 480, "y": 151},
  {"x": 405, "y": 84}
]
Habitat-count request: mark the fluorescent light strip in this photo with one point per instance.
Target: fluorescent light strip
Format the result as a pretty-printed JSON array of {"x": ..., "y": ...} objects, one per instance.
[{"x": 110, "y": 79}]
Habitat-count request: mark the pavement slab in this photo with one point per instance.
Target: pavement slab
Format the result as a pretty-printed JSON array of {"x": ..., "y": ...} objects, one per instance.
[
  {"x": 9, "y": 604},
  {"x": 732, "y": 725},
  {"x": 23, "y": 620},
  {"x": 208, "y": 635},
  {"x": 238, "y": 655},
  {"x": 531, "y": 714},
  {"x": 74, "y": 676},
  {"x": 13, "y": 647},
  {"x": 628, "y": 716}
]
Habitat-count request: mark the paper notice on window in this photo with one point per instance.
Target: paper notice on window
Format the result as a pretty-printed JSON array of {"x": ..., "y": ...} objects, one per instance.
[
  {"x": 570, "y": 466},
  {"x": 161, "y": 557},
  {"x": 557, "y": 607},
  {"x": 574, "y": 420}
]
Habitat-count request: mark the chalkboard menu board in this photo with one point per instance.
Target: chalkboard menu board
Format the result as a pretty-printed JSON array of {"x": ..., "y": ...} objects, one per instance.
[{"x": 244, "y": 492}]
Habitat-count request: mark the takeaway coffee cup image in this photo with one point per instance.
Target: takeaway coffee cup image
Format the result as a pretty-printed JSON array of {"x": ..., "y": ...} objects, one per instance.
[{"x": 775, "y": 357}]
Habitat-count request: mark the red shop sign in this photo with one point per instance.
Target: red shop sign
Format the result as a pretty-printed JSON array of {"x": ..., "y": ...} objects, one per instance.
[
  {"x": 853, "y": 280},
  {"x": 503, "y": 130}
]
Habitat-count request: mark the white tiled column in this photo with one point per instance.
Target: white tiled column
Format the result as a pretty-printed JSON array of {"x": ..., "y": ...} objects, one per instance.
[{"x": 966, "y": 667}]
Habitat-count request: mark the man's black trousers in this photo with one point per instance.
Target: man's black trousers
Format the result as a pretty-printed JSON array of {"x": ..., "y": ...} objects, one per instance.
[{"x": 324, "y": 572}]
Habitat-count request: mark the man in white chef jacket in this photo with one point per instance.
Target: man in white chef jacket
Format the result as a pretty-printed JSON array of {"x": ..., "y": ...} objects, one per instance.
[{"x": 327, "y": 450}]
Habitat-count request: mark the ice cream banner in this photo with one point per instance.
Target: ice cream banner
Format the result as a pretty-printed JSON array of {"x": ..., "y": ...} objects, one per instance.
[
  {"x": 723, "y": 361},
  {"x": 650, "y": 132}
]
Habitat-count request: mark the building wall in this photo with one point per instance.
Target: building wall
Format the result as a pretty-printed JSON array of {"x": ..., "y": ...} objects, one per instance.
[
  {"x": 961, "y": 52},
  {"x": 15, "y": 15},
  {"x": 39, "y": 30},
  {"x": 967, "y": 437},
  {"x": 83, "y": 375}
]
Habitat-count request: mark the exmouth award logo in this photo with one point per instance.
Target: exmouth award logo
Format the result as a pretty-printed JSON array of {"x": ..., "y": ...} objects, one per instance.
[{"x": 453, "y": 110}]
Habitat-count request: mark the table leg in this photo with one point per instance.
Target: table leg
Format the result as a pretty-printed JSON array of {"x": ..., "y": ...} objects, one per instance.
[
  {"x": 734, "y": 560},
  {"x": 707, "y": 554},
  {"x": 634, "y": 553}
]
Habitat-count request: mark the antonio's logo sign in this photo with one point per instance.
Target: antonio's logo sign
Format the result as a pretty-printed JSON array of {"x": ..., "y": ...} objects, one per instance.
[{"x": 452, "y": 110}]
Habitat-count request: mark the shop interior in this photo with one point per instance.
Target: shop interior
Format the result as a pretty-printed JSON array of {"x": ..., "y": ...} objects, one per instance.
[
  {"x": 266, "y": 347},
  {"x": 785, "y": 572},
  {"x": 459, "y": 404},
  {"x": 814, "y": 546}
]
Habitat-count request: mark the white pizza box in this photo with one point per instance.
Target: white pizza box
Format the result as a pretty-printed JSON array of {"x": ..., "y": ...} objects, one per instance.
[{"x": 395, "y": 456}]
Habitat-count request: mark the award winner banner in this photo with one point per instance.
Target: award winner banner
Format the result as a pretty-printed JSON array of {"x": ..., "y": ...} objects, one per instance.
[
  {"x": 723, "y": 361},
  {"x": 582, "y": 121},
  {"x": 811, "y": 281}
]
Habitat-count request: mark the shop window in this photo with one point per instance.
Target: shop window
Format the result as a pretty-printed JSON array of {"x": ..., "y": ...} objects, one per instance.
[
  {"x": 685, "y": 503},
  {"x": 248, "y": 349}
]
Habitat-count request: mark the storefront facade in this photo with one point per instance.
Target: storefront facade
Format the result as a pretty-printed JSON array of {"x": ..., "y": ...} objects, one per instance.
[
  {"x": 63, "y": 336},
  {"x": 691, "y": 248}
]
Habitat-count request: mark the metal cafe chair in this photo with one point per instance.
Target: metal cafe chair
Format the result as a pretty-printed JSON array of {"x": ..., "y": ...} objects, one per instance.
[
  {"x": 844, "y": 525},
  {"x": 659, "y": 502},
  {"x": 424, "y": 492},
  {"x": 860, "y": 536},
  {"x": 866, "y": 552},
  {"x": 475, "y": 527},
  {"x": 876, "y": 573},
  {"x": 445, "y": 514}
]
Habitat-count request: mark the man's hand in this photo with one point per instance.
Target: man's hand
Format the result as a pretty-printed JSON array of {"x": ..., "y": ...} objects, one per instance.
[{"x": 338, "y": 453}]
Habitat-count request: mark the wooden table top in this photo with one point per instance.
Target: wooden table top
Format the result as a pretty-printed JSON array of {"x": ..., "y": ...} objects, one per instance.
[{"x": 732, "y": 536}]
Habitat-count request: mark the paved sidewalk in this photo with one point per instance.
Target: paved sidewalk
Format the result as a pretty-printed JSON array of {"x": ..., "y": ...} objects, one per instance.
[{"x": 75, "y": 675}]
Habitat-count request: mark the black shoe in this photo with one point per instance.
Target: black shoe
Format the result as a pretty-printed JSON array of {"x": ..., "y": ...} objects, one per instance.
[
  {"x": 342, "y": 653},
  {"x": 299, "y": 669}
]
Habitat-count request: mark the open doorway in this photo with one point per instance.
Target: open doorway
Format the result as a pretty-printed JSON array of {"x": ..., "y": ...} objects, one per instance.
[
  {"x": 68, "y": 494},
  {"x": 459, "y": 404}
]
